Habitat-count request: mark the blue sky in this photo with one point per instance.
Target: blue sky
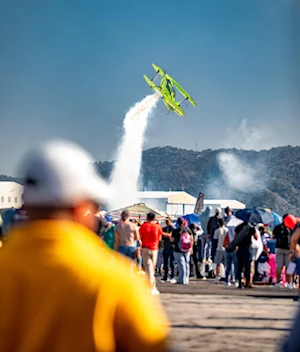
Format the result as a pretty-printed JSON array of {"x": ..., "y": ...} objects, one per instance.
[{"x": 73, "y": 68}]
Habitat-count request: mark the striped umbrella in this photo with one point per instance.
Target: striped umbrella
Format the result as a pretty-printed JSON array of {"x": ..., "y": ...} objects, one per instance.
[{"x": 138, "y": 212}]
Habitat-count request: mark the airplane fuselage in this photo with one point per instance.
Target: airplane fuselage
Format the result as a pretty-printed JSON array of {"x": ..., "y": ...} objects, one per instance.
[{"x": 168, "y": 88}]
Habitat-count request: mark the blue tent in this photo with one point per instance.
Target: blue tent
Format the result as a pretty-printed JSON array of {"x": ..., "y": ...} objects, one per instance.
[{"x": 190, "y": 218}]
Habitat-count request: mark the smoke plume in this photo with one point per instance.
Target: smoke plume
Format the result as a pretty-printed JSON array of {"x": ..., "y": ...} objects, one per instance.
[
  {"x": 127, "y": 166},
  {"x": 237, "y": 175}
]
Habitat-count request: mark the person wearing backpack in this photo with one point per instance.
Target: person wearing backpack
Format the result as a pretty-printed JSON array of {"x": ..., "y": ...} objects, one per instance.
[
  {"x": 183, "y": 248},
  {"x": 282, "y": 234},
  {"x": 230, "y": 260},
  {"x": 196, "y": 230},
  {"x": 244, "y": 233}
]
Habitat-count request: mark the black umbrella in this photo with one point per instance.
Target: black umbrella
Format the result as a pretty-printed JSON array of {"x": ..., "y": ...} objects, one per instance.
[{"x": 256, "y": 215}]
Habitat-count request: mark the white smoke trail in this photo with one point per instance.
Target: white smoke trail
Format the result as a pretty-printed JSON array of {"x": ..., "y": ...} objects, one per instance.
[
  {"x": 126, "y": 172},
  {"x": 249, "y": 137}
]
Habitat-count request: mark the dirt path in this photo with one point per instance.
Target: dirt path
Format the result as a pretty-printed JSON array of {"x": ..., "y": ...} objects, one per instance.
[{"x": 214, "y": 323}]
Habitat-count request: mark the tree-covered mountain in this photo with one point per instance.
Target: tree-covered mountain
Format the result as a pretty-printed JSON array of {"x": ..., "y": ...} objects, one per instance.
[
  {"x": 268, "y": 178},
  {"x": 12, "y": 179}
]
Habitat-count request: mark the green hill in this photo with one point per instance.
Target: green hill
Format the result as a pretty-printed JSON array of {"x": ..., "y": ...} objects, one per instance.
[{"x": 268, "y": 178}]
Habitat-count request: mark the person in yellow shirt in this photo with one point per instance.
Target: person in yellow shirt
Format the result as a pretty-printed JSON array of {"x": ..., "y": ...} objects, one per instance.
[{"x": 61, "y": 289}]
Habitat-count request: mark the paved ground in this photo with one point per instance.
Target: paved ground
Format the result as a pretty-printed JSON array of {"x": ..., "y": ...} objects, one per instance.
[
  {"x": 208, "y": 287},
  {"x": 211, "y": 318}
]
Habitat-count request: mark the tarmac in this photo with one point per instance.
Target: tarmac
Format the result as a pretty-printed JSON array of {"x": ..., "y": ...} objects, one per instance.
[{"x": 205, "y": 316}]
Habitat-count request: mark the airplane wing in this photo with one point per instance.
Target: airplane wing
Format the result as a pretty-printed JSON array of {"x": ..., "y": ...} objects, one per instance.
[
  {"x": 158, "y": 70},
  {"x": 153, "y": 86},
  {"x": 148, "y": 80},
  {"x": 173, "y": 106},
  {"x": 181, "y": 90}
]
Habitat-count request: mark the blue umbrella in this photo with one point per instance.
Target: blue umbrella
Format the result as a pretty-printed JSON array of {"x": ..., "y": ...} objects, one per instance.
[{"x": 277, "y": 220}]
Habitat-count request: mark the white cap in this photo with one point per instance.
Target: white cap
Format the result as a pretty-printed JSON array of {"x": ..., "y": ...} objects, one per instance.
[
  {"x": 61, "y": 173},
  {"x": 218, "y": 210}
]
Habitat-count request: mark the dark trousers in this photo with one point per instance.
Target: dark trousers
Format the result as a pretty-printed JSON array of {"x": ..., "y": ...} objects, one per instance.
[
  {"x": 244, "y": 262},
  {"x": 168, "y": 255},
  {"x": 214, "y": 243},
  {"x": 195, "y": 261}
]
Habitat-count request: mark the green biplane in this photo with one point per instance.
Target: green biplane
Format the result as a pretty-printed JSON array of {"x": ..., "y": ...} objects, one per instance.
[{"x": 167, "y": 91}]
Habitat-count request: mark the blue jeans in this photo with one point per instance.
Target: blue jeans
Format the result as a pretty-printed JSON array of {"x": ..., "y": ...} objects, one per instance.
[
  {"x": 183, "y": 262},
  {"x": 139, "y": 260},
  {"x": 128, "y": 251},
  {"x": 231, "y": 259},
  {"x": 205, "y": 247}
]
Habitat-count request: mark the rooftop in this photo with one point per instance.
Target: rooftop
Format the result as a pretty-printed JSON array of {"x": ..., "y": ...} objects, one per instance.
[
  {"x": 6, "y": 183},
  {"x": 158, "y": 194},
  {"x": 219, "y": 201}
]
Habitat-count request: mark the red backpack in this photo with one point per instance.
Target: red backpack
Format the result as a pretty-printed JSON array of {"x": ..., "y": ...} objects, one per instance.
[{"x": 226, "y": 241}]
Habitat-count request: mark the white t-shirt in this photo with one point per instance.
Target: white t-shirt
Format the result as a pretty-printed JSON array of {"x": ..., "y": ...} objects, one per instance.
[{"x": 220, "y": 234}]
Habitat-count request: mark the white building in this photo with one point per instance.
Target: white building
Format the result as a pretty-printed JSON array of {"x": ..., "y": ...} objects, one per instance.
[
  {"x": 224, "y": 203},
  {"x": 173, "y": 203},
  {"x": 181, "y": 203},
  {"x": 10, "y": 194}
]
